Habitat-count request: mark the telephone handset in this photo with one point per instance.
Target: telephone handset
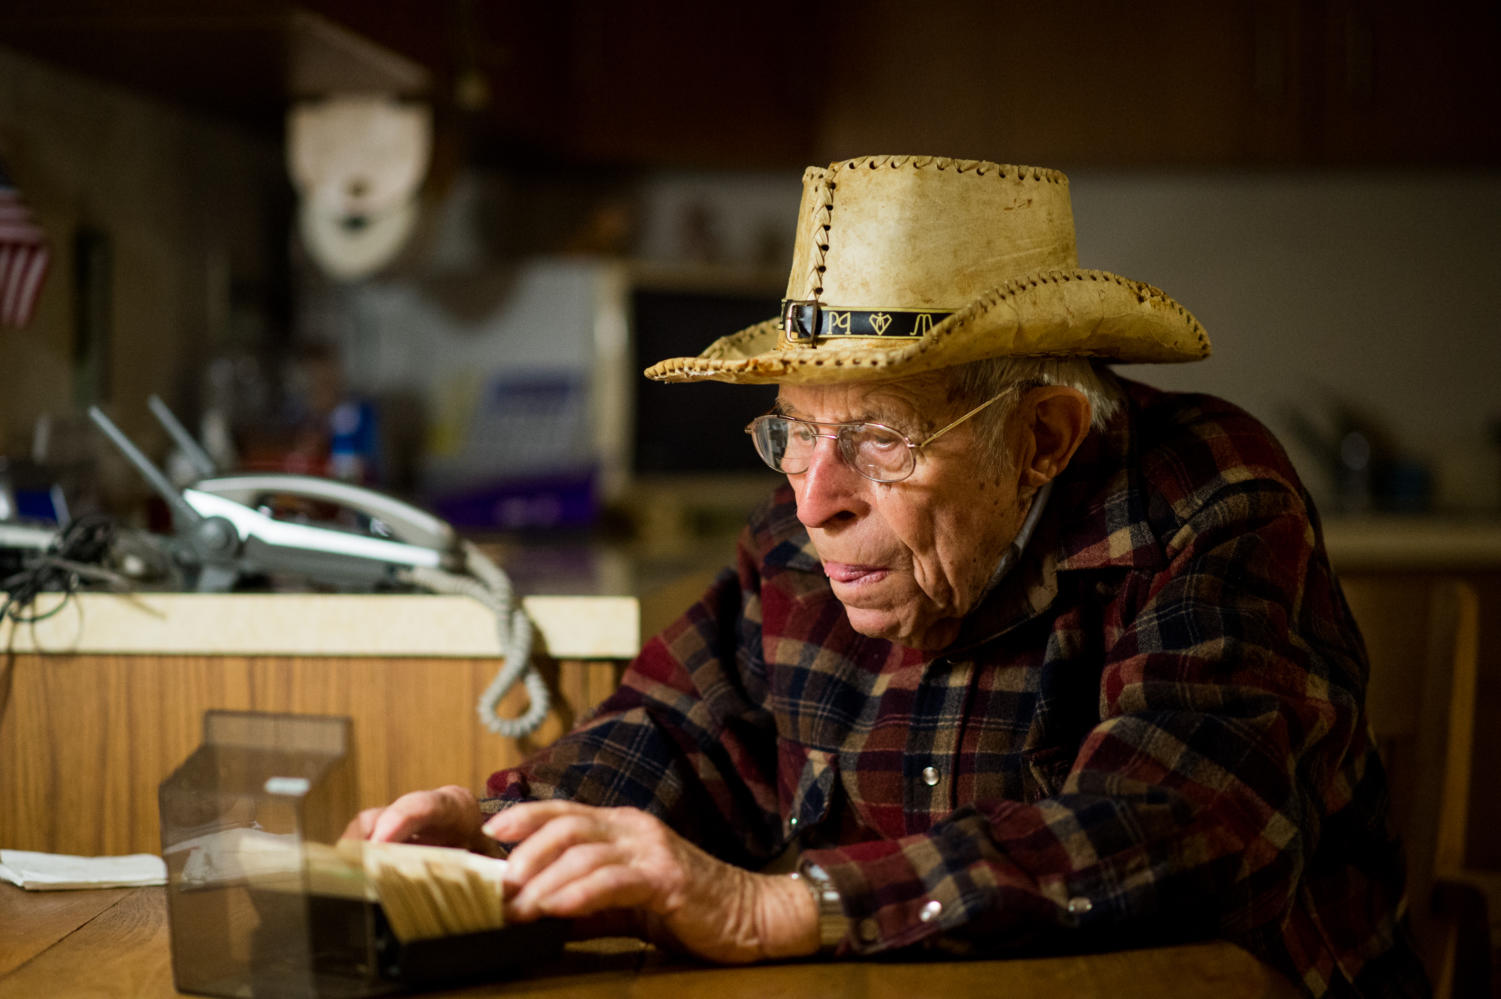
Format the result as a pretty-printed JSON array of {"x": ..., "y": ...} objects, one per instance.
[
  {"x": 225, "y": 529},
  {"x": 397, "y": 520},
  {"x": 398, "y": 534}
]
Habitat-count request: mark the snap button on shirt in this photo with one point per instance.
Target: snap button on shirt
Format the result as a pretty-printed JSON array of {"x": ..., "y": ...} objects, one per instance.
[
  {"x": 930, "y": 776},
  {"x": 1079, "y": 906},
  {"x": 869, "y": 930},
  {"x": 930, "y": 910}
]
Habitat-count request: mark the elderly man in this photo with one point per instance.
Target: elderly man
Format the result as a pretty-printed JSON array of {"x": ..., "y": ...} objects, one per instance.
[{"x": 1021, "y": 655}]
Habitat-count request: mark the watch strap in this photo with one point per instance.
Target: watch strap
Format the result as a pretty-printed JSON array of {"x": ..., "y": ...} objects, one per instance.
[{"x": 833, "y": 924}]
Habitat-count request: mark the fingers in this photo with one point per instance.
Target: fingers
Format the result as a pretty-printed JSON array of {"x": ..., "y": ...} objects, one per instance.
[
  {"x": 446, "y": 816},
  {"x": 359, "y": 827},
  {"x": 588, "y": 878},
  {"x": 559, "y": 851},
  {"x": 409, "y": 817},
  {"x": 605, "y": 864},
  {"x": 576, "y": 860},
  {"x": 521, "y": 820}
]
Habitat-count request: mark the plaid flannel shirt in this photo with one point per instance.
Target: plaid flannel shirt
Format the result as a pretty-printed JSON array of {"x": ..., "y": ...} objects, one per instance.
[{"x": 1152, "y": 728}]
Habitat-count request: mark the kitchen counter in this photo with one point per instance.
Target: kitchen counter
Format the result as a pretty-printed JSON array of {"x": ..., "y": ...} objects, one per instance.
[
  {"x": 318, "y": 624},
  {"x": 102, "y": 701},
  {"x": 1409, "y": 542}
]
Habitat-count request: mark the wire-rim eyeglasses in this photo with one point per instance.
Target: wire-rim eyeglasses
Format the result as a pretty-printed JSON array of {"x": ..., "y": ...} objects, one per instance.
[{"x": 876, "y": 451}]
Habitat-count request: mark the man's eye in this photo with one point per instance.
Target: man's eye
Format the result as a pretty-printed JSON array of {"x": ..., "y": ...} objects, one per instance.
[{"x": 877, "y": 442}]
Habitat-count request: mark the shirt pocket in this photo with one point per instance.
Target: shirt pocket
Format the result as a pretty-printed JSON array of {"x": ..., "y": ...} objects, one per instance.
[
  {"x": 1045, "y": 771},
  {"x": 807, "y": 779}
]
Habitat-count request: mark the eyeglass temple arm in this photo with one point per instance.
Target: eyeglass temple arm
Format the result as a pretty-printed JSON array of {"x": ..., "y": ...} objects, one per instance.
[{"x": 937, "y": 434}]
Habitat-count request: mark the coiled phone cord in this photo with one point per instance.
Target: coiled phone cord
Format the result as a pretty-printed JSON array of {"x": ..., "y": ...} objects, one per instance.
[{"x": 488, "y": 583}]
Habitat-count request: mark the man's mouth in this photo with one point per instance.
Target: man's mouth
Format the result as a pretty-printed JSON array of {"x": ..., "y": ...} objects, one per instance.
[{"x": 845, "y": 572}]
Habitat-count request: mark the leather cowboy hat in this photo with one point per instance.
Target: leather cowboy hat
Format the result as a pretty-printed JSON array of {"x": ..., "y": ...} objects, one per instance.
[{"x": 905, "y": 264}]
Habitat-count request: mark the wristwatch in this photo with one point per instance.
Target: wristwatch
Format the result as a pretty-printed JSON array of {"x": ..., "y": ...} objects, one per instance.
[{"x": 833, "y": 924}]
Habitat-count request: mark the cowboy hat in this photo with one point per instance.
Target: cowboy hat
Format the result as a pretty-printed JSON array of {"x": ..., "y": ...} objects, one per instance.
[{"x": 906, "y": 264}]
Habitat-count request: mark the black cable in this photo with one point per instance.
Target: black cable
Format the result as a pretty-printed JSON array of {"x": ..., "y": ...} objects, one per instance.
[{"x": 72, "y": 557}]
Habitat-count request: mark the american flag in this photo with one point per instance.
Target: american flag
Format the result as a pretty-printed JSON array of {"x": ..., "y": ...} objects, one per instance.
[{"x": 23, "y": 256}]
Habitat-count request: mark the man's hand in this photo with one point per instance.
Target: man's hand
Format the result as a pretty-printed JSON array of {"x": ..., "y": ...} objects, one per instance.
[
  {"x": 576, "y": 861},
  {"x": 447, "y": 816}
]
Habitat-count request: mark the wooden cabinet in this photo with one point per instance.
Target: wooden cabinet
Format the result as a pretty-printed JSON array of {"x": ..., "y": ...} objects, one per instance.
[
  {"x": 1400, "y": 83},
  {"x": 778, "y": 84},
  {"x": 1168, "y": 83}
]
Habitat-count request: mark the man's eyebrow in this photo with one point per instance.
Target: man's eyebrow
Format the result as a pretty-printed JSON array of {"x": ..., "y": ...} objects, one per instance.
[
  {"x": 885, "y": 417},
  {"x": 780, "y": 408}
]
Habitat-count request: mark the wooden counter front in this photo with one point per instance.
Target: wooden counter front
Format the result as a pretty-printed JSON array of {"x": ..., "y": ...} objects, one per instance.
[{"x": 91, "y": 720}]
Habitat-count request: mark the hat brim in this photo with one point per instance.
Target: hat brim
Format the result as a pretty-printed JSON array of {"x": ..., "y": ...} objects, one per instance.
[{"x": 1063, "y": 313}]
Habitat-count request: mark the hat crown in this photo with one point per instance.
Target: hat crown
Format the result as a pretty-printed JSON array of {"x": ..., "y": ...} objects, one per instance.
[
  {"x": 926, "y": 232},
  {"x": 910, "y": 264}
]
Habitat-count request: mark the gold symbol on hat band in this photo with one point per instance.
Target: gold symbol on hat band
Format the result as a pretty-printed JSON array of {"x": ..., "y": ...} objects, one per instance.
[
  {"x": 879, "y": 321},
  {"x": 839, "y": 321},
  {"x": 922, "y": 324}
]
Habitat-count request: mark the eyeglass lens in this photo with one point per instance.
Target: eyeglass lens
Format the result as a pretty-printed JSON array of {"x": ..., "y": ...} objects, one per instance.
[{"x": 874, "y": 451}]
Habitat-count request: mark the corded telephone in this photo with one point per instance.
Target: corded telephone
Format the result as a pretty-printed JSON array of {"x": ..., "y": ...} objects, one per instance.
[{"x": 225, "y": 531}]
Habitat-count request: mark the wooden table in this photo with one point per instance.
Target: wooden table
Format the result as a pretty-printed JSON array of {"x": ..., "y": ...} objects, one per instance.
[{"x": 115, "y": 943}]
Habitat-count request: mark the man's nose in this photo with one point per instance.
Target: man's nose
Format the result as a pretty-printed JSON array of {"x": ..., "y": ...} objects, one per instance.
[{"x": 829, "y": 488}]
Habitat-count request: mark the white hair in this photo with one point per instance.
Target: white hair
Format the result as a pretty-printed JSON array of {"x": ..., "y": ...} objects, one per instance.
[{"x": 980, "y": 380}]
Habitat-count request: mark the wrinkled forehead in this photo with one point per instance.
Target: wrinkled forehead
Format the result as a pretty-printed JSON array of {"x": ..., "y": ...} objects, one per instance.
[{"x": 914, "y": 401}]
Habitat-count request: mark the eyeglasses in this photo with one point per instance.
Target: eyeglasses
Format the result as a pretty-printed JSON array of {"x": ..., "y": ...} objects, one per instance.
[{"x": 877, "y": 452}]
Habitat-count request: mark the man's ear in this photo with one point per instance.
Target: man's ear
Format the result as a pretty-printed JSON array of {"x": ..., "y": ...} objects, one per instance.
[{"x": 1055, "y": 420}]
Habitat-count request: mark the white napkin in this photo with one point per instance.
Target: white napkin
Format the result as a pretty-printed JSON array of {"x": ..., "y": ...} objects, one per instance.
[{"x": 47, "y": 871}]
